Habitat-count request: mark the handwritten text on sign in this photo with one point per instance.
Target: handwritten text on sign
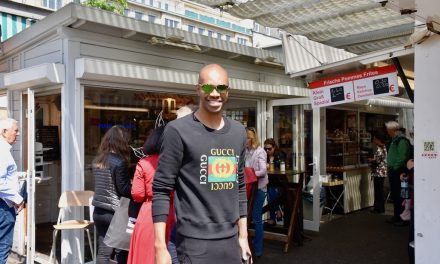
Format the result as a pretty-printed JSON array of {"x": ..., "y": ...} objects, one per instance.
[{"x": 354, "y": 87}]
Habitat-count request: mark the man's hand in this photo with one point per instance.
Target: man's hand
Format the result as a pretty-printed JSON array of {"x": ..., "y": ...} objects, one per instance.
[
  {"x": 243, "y": 239},
  {"x": 162, "y": 255},
  {"x": 403, "y": 177},
  {"x": 19, "y": 207},
  {"x": 160, "y": 245}
]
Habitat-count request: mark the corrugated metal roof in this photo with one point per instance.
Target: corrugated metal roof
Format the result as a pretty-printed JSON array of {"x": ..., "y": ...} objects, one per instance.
[
  {"x": 358, "y": 26},
  {"x": 302, "y": 54}
]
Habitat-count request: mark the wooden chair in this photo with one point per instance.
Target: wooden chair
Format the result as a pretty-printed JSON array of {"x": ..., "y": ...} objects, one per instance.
[{"x": 74, "y": 199}]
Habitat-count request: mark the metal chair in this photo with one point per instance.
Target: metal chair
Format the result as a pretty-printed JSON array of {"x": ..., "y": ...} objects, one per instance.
[{"x": 74, "y": 199}]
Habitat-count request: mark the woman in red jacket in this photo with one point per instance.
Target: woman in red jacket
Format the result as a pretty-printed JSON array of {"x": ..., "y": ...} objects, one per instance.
[{"x": 142, "y": 240}]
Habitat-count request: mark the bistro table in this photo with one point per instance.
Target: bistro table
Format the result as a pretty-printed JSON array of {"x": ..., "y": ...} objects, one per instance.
[
  {"x": 290, "y": 199},
  {"x": 335, "y": 198}
]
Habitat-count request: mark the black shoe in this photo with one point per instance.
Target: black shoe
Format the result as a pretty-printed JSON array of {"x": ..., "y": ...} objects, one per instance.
[{"x": 401, "y": 223}]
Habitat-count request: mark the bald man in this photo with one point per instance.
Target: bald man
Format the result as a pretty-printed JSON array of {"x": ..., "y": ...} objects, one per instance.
[{"x": 202, "y": 159}]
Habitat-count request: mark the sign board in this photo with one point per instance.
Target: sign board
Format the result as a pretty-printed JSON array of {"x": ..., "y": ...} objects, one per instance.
[{"x": 357, "y": 86}]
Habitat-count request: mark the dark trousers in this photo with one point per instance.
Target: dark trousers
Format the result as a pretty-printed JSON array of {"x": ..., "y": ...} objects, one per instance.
[
  {"x": 394, "y": 177},
  {"x": 208, "y": 251},
  {"x": 411, "y": 238},
  {"x": 7, "y": 223},
  {"x": 379, "y": 199},
  {"x": 102, "y": 219},
  {"x": 172, "y": 246}
]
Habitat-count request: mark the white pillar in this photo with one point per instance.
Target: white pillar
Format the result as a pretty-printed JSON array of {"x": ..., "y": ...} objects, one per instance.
[
  {"x": 427, "y": 129},
  {"x": 72, "y": 149}
]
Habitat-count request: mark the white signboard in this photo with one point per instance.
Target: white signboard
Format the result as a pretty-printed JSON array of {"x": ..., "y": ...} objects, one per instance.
[{"x": 357, "y": 86}]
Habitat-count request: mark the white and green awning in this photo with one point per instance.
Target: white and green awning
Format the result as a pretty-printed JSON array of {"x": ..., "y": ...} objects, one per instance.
[{"x": 12, "y": 24}]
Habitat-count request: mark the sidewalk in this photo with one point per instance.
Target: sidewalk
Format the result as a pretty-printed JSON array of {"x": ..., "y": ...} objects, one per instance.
[{"x": 359, "y": 237}]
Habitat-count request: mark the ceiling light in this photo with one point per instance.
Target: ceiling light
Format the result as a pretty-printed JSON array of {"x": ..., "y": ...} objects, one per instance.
[
  {"x": 269, "y": 63},
  {"x": 166, "y": 42},
  {"x": 433, "y": 26},
  {"x": 116, "y": 108}
]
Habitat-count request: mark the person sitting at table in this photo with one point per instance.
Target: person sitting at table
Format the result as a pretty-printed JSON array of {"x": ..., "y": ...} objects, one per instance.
[
  {"x": 256, "y": 158},
  {"x": 274, "y": 155}
]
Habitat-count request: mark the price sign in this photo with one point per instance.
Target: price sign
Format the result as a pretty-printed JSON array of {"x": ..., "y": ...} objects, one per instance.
[
  {"x": 337, "y": 94},
  {"x": 355, "y": 86}
]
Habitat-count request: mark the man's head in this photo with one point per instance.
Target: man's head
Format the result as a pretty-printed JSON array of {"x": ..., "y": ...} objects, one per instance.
[
  {"x": 213, "y": 88},
  {"x": 392, "y": 128},
  {"x": 9, "y": 130}
]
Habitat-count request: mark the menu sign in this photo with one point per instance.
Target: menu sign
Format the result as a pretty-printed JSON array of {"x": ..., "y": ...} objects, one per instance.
[
  {"x": 354, "y": 87},
  {"x": 48, "y": 136}
]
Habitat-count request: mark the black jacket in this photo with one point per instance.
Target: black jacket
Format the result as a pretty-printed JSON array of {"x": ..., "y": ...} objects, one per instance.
[{"x": 111, "y": 183}]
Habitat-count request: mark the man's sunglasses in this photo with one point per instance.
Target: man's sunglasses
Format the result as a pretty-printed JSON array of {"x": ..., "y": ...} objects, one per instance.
[
  {"x": 266, "y": 149},
  {"x": 208, "y": 88}
]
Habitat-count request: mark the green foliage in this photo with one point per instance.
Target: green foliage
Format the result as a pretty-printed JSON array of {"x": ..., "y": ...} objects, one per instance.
[{"x": 117, "y": 6}]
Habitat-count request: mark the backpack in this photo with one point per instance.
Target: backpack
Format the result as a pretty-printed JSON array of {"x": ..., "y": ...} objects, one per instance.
[{"x": 411, "y": 147}]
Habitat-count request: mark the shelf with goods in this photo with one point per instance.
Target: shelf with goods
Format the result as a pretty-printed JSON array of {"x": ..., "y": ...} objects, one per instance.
[{"x": 347, "y": 149}]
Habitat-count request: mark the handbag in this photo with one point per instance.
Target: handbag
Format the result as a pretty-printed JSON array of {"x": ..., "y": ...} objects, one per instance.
[
  {"x": 249, "y": 178},
  {"x": 121, "y": 227}
]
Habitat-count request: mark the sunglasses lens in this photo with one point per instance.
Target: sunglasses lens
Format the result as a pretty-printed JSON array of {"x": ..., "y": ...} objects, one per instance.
[
  {"x": 222, "y": 88},
  {"x": 207, "y": 88}
]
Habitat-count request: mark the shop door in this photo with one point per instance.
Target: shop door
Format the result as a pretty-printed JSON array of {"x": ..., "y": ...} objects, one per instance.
[
  {"x": 296, "y": 128},
  {"x": 42, "y": 122},
  {"x": 30, "y": 181}
]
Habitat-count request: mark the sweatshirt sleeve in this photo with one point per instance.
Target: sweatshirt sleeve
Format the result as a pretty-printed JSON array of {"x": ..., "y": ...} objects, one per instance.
[
  {"x": 242, "y": 199},
  {"x": 170, "y": 161},
  {"x": 402, "y": 154},
  {"x": 261, "y": 170}
]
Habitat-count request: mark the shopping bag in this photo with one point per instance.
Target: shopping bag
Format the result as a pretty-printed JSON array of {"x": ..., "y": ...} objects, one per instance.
[
  {"x": 249, "y": 179},
  {"x": 121, "y": 227}
]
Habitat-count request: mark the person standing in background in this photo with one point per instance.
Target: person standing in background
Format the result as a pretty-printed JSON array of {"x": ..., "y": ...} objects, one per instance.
[
  {"x": 379, "y": 171},
  {"x": 202, "y": 160},
  {"x": 256, "y": 158},
  {"x": 110, "y": 170},
  {"x": 398, "y": 155},
  {"x": 142, "y": 240},
  {"x": 11, "y": 202}
]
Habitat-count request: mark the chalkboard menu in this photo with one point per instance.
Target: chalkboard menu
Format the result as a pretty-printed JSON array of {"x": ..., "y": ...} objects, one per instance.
[
  {"x": 380, "y": 86},
  {"x": 48, "y": 136},
  {"x": 337, "y": 94}
]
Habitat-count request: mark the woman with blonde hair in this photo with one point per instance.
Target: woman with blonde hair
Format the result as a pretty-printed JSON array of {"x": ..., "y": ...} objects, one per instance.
[{"x": 256, "y": 158}]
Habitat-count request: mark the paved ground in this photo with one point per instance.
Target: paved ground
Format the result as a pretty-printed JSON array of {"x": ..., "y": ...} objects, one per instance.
[{"x": 358, "y": 238}]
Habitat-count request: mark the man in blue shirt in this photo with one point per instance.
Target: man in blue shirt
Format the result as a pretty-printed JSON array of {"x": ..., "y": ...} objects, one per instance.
[{"x": 11, "y": 202}]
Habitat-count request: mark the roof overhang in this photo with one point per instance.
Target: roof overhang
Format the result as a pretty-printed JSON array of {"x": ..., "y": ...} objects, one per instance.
[
  {"x": 46, "y": 74},
  {"x": 357, "y": 26},
  {"x": 351, "y": 64},
  {"x": 98, "y": 21}
]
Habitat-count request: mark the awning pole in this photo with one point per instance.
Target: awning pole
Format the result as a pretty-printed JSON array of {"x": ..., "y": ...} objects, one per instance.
[{"x": 404, "y": 79}]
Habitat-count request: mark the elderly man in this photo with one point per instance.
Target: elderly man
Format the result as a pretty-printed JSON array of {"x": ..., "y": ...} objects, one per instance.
[
  {"x": 202, "y": 159},
  {"x": 398, "y": 155},
  {"x": 11, "y": 201}
]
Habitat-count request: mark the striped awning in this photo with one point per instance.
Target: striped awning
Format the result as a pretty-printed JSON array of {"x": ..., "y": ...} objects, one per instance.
[
  {"x": 12, "y": 24},
  {"x": 302, "y": 54}
]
